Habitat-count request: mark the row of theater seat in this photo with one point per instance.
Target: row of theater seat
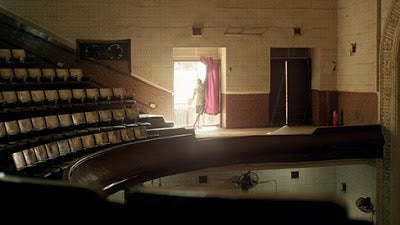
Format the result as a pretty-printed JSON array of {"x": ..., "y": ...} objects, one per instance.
[
  {"x": 35, "y": 156},
  {"x": 41, "y": 74},
  {"x": 13, "y": 54},
  {"x": 17, "y": 130},
  {"x": 13, "y": 100}
]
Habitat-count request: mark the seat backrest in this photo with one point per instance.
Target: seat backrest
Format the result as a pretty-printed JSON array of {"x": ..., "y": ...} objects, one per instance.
[
  {"x": 6, "y": 74},
  {"x": 34, "y": 74},
  {"x": 25, "y": 125},
  {"x": 52, "y": 122},
  {"x": 105, "y": 116},
  {"x": 75, "y": 144},
  {"x": 30, "y": 157},
  {"x": 12, "y": 127},
  {"x": 62, "y": 74},
  {"x": 52, "y": 150},
  {"x": 78, "y": 118},
  {"x": 101, "y": 138},
  {"x": 105, "y": 94},
  {"x": 3, "y": 131},
  {"x": 65, "y": 95},
  {"x": 92, "y": 94},
  {"x": 10, "y": 97},
  {"x": 127, "y": 134},
  {"x": 63, "y": 147},
  {"x": 20, "y": 74},
  {"x": 132, "y": 115},
  {"x": 114, "y": 136},
  {"x": 88, "y": 141},
  {"x": 65, "y": 120},
  {"x": 38, "y": 123},
  {"x": 18, "y": 54},
  {"x": 38, "y": 96},
  {"x": 51, "y": 96},
  {"x": 118, "y": 93},
  {"x": 19, "y": 160},
  {"x": 48, "y": 74},
  {"x": 41, "y": 153},
  {"x": 92, "y": 117},
  {"x": 24, "y": 97},
  {"x": 79, "y": 94},
  {"x": 76, "y": 73},
  {"x": 118, "y": 116},
  {"x": 5, "y": 54}
]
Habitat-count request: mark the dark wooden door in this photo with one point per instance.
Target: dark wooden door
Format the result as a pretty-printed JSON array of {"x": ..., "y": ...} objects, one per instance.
[{"x": 298, "y": 89}]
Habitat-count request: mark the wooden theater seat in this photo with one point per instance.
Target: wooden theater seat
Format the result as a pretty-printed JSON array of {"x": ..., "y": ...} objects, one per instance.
[
  {"x": 6, "y": 74},
  {"x": 20, "y": 74},
  {"x": 18, "y": 55},
  {"x": 34, "y": 74},
  {"x": 5, "y": 55}
]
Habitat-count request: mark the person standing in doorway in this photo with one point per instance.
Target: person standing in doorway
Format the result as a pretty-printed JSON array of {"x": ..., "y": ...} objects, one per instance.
[{"x": 199, "y": 94}]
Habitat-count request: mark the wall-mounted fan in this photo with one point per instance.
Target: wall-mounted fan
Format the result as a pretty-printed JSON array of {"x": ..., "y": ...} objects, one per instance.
[
  {"x": 364, "y": 204},
  {"x": 247, "y": 180}
]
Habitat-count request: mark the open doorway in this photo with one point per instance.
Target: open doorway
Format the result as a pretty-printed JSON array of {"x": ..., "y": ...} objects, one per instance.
[{"x": 186, "y": 74}]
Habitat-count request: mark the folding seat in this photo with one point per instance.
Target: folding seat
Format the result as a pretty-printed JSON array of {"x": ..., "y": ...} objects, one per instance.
[
  {"x": 65, "y": 120},
  {"x": 118, "y": 94},
  {"x": 10, "y": 98},
  {"x": 140, "y": 132},
  {"x": 12, "y": 127},
  {"x": 92, "y": 95},
  {"x": 118, "y": 116},
  {"x": 52, "y": 122},
  {"x": 78, "y": 95},
  {"x": 105, "y": 94},
  {"x": 5, "y": 54},
  {"x": 65, "y": 96},
  {"x": 63, "y": 147},
  {"x": 131, "y": 115},
  {"x": 88, "y": 141},
  {"x": 3, "y": 132},
  {"x": 78, "y": 118},
  {"x": 34, "y": 74},
  {"x": 105, "y": 117},
  {"x": 75, "y": 144},
  {"x": 18, "y": 55},
  {"x": 38, "y": 97},
  {"x": 25, "y": 125},
  {"x": 114, "y": 136},
  {"x": 62, "y": 74},
  {"x": 6, "y": 74},
  {"x": 24, "y": 98},
  {"x": 48, "y": 74},
  {"x": 20, "y": 75},
  {"x": 41, "y": 153},
  {"x": 76, "y": 74},
  {"x": 51, "y": 97},
  {"x": 127, "y": 134},
  {"x": 52, "y": 150},
  {"x": 101, "y": 138},
  {"x": 38, "y": 123},
  {"x": 92, "y": 117},
  {"x": 19, "y": 160},
  {"x": 29, "y": 156}
]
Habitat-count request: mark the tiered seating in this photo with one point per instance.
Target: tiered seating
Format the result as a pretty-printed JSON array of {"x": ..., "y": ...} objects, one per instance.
[
  {"x": 12, "y": 78},
  {"x": 51, "y": 117}
]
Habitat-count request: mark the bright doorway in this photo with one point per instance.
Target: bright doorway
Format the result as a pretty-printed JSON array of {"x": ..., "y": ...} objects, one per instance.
[{"x": 185, "y": 76}]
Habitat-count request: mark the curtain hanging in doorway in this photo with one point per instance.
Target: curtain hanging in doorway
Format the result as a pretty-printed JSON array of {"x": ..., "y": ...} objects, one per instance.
[{"x": 212, "y": 90}]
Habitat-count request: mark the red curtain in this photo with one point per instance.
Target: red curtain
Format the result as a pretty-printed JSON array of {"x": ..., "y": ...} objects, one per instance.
[{"x": 212, "y": 97}]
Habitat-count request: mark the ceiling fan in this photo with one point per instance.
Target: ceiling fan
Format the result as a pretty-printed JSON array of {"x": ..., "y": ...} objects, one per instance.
[{"x": 249, "y": 180}]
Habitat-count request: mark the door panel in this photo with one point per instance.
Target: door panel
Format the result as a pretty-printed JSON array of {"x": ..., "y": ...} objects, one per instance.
[{"x": 299, "y": 92}]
